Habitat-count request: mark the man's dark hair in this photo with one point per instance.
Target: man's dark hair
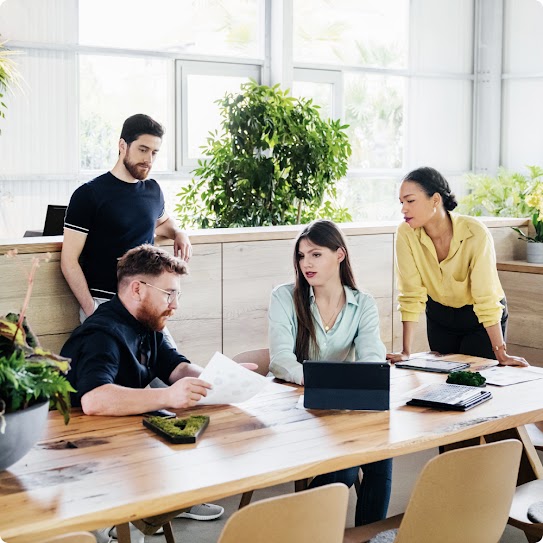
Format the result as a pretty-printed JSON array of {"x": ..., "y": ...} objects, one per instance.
[
  {"x": 140, "y": 124},
  {"x": 148, "y": 260}
]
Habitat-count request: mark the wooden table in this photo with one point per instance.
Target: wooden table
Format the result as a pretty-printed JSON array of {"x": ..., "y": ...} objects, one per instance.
[{"x": 101, "y": 471}]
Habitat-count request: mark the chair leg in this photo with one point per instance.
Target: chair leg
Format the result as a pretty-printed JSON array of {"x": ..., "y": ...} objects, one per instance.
[
  {"x": 245, "y": 499},
  {"x": 168, "y": 533},
  {"x": 123, "y": 533},
  {"x": 358, "y": 482}
]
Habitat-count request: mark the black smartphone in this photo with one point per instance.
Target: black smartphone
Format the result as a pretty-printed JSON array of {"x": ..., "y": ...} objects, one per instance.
[{"x": 161, "y": 413}]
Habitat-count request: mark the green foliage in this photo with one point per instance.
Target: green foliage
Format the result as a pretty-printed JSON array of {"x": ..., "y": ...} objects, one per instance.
[
  {"x": 28, "y": 373},
  {"x": 501, "y": 196},
  {"x": 509, "y": 195},
  {"x": 275, "y": 161},
  {"x": 472, "y": 379},
  {"x": 9, "y": 76}
]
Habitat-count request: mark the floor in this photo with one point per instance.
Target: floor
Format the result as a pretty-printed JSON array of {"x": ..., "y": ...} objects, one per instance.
[{"x": 406, "y": 470}]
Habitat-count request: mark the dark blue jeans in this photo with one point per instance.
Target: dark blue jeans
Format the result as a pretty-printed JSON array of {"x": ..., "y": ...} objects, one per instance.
[{"x": 372, "y": 503}]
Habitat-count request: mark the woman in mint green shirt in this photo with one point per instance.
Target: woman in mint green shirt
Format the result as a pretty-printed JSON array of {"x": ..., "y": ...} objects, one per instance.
[{"x": 323, "y": 316}]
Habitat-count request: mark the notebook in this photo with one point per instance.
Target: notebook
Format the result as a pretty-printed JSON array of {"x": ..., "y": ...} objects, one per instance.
[
  {"x": 450, "y": 397},
  {"x": 437, "y": 366},
  {"x": 347, "y": 385}
]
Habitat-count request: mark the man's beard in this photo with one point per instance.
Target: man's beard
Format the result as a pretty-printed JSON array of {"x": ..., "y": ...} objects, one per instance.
[
  {"x": 154, "y": 321},
  {"x": 137, "y": 171}
]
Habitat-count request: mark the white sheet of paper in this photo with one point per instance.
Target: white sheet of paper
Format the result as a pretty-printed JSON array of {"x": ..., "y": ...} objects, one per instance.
[
  {"x": 509, "y": 375},
  {"x": 231, "y": 382}
]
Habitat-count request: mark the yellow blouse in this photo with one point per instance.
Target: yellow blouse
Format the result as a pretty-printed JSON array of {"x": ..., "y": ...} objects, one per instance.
[{"x": 468, "y": 276}]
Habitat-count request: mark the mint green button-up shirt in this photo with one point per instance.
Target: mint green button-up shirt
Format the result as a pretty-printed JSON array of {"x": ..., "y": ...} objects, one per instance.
[{"x": 354, "y": 336}]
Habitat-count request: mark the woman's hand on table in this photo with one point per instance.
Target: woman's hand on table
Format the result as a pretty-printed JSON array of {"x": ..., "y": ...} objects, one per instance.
[
  {"x": 508, "y": 360},
  {"x": 397, "y": 357}
]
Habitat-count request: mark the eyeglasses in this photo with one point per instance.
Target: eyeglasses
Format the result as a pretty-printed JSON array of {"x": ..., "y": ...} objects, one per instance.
[{"x": 172, "y": 294}]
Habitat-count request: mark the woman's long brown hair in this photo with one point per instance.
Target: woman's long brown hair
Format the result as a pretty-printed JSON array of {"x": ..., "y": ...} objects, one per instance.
[{"x": 325, "y": 234}]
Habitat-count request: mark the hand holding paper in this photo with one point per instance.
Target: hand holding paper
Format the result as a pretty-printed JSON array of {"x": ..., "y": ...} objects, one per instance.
[{"x": 232, "y": 383}]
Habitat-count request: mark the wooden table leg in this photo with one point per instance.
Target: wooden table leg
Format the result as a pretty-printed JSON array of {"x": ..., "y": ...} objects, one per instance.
[
  {"x": 530, "y": 463},
  {"x": 123, "y": 533}
]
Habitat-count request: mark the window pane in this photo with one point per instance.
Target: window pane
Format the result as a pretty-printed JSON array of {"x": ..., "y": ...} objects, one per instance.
[
  {"x": 356, "y": 32},
  {"x": 320, "y": 93},
  {"x": 439, "y": 134},
  {"x": 522, "y": 36},
  {"x": 522, "y": 123},
  {"x": 227, "y": 27},
  {"x": 442, "y": 36},
  {"x": 374, "y": 110},
  {"x": 371, "y": 199},
  {"x": 112, "y": 89},
  {"x": 47, "y": 21},
  {"x": 203, "y": 114}
]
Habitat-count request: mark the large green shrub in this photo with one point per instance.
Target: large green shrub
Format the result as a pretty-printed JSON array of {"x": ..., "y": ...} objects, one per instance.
[
  {"x": 500, "y": 196},
  {"x": 274, "y": 161}
]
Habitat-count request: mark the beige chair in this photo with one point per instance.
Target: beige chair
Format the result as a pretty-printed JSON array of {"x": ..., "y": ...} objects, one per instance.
[
  {"x": 525, "y": 496},
  {"x": 74, "y": 537},
  {"x": 261, "y": 357},
  {"x": 461, "y": 496},
  {"x": 313, "y": 516}
]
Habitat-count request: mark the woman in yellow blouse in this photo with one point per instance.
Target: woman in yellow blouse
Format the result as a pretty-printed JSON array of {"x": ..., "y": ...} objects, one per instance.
[{"x": 446, "y": 265}]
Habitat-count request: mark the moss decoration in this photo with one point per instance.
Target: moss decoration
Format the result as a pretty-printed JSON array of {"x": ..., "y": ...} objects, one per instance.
[
  {"x": 186, "y": 430},
  {"x": 474, "y": 379}
]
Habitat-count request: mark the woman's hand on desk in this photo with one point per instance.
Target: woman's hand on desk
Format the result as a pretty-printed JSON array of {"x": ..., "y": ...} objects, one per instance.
[
  {"x": 507, "y": 360},
  {"x": 397, "y": 357}
]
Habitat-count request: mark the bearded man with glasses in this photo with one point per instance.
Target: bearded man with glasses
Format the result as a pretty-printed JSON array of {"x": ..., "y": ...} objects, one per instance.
[{"x": 122, "y": 347}]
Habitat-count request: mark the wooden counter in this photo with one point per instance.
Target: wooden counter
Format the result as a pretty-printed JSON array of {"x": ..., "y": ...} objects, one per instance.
[
  {"x": 225, "y": 298},
  {"x": 523, "y": 285}
]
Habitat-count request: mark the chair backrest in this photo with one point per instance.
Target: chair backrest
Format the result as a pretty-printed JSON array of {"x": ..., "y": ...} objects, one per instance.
[
  {"x": 260, "y": 357},
  {"x": 463, "y": 495},
  {"x": 313, "y": 516},
  {"x": 74, "y": 537}
]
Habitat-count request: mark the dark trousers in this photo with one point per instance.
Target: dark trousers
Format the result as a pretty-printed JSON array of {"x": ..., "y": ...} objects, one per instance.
[
  {"x": 372, "y": 503},
  {"x": 457, "y": 330}
]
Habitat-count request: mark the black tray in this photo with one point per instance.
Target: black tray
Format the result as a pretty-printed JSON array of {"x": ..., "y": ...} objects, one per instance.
[{"x": 148, "y": 423}]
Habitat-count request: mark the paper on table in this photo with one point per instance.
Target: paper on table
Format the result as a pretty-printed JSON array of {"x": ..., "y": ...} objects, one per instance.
[
  {"x": 508, "y": 375},
  {"x": 232, "y": 383}
]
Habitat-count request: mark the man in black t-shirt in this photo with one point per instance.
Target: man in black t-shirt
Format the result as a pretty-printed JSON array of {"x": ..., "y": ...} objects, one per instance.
[{"x": 115, "y": 212}]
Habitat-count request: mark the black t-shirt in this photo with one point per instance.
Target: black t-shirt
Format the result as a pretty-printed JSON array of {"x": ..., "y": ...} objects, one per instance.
[
  {"x": 111, "y": 346},
  {"x": 116, "y": 216}
]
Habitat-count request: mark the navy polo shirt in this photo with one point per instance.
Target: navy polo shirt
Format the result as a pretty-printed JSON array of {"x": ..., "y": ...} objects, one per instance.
[
  {"x": 111, "y": 346},
  {"x": 116, "y": 216}
]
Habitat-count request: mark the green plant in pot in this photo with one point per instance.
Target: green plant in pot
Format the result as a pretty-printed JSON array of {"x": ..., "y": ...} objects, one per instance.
[
  {"x": 275, "y": 161},
  {"x": 31, "y": 380}
]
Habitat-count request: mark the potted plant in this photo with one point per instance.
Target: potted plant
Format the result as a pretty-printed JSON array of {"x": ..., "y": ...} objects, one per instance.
[
  {"x": 30, "y": 381},
  {"x": 510, "y": 194},
  {"x": 534, "y": 198},
  {"x": 275, "y": 161}
]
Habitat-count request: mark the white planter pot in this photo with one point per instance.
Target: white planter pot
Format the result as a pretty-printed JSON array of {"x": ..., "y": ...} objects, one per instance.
[
  {"x": 534, "y": 253},
  {"x": 23, "y": 429}
]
